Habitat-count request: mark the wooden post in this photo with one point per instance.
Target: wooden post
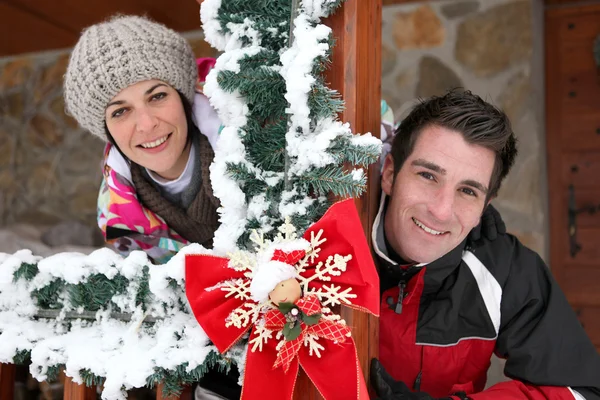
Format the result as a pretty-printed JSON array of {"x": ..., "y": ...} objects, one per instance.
[
  {"x": 74, "y": 391},
  {"x": 356, "y": 74},
  {"x": 7, "y": 381}
]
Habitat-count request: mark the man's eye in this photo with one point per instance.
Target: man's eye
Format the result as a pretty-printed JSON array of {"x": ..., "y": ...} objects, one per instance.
[
  {"x": 469, "y": 192},
  {"x": 158, "y": 96},
  {"x": 427, "y": 176},
  {"x": 118, "y": 112}
]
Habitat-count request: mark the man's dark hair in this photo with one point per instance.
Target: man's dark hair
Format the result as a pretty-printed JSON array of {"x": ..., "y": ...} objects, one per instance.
[
  {"x": 188, "y": 111},
  {"x": 480, "y": 123}
]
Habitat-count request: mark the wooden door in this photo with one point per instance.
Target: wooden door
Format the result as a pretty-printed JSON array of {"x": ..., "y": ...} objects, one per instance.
[{"x": 573, "y": 148}]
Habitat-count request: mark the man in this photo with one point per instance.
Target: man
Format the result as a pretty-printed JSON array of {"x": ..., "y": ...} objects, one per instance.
[{"x": 448, "y": 301}]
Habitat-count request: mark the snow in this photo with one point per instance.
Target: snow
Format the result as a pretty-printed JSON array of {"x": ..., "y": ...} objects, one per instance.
[
  {"x": 126, "y": 353},
  {"x": 212, "y": 28}
]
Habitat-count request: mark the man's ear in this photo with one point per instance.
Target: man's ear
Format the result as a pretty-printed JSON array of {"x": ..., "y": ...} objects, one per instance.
[{"x": 387, "y": 175}]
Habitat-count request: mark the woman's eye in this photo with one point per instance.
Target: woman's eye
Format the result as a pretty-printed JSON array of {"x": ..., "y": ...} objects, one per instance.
[
  {"x": 427, "y": 176},
  {"x": 118, "y": 112},
  {"x": 158, "y": 96}
]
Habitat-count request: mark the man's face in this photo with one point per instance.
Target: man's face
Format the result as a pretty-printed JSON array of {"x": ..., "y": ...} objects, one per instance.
[{"x": 438, "y": 195}]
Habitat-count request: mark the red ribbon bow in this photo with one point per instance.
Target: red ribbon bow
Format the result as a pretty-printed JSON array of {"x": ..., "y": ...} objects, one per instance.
[{"x": 213, "y": 307}]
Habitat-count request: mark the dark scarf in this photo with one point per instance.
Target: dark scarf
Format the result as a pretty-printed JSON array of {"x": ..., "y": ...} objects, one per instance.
[{"x": 195, "y": 221}]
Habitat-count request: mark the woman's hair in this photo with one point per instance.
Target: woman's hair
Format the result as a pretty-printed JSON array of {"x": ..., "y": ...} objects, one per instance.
[{"x": 192, "y": 129}]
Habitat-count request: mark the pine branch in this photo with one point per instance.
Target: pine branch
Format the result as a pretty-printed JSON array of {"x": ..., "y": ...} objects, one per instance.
[
  {"x": 303, "y": 221},
  {"x": 52, "y": 373},
  {"x": 26, "y": 271},
  {"x": 97, "y": 292},
  {"x": 174, "y": 380},
  {"x": 343, "y": 150},
  {"x": 333, "y": 179},
  {"x": 248, "y": 181},
  {"x": 143, "y": 295},
  {"x": 48, "y": 296},
  {"x": 265, "y": 142},
  {"x": 324, "y": 102},
  {"x": 331, "y": 6},
  {"x": 89, "y": 378},
  {"x": 262, "y": 88},
  {"x": 23, "y": 357},
  {"x": 265, "y": 57}
]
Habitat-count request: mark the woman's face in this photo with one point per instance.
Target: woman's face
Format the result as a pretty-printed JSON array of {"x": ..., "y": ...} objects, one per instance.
[{"x": 148, "y": 123}]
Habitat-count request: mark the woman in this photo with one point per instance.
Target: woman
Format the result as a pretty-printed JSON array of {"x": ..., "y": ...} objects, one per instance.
[{"x": 132, "y": 83}]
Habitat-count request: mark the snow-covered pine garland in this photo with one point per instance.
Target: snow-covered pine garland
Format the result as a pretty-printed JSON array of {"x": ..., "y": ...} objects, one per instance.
[
  {"x": 282, "y": 151},
  {"x": 274, "y": 104},
  {"x": 120, "y": 322}
]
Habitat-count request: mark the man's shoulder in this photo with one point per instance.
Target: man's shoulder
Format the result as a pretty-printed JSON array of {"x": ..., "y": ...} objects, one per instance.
[{"x": 506, "y": 255}]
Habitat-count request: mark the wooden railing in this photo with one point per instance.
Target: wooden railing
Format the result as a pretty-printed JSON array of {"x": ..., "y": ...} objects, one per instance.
[{"x": 72, "y": 390}]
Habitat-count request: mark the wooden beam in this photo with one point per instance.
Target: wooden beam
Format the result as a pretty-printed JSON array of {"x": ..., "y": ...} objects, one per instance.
[
  {"x": 7, "y": 381},
  {"x": 356, "y": 74},
  {"x": 75, "y": 15},
  {"x": 74, "y": 391},
  {"x": 22, "y": 32}
]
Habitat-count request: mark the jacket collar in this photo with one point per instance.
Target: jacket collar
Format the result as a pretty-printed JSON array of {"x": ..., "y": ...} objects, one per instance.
[{"x": 436, "y": 271}]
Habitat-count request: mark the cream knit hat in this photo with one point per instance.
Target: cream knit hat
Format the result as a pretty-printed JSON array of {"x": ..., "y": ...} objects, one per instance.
[{"x": 113, "y": 55}]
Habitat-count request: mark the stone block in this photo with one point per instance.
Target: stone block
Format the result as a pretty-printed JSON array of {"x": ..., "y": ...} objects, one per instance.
[
  {"x": 83, "y": 202},
  {"x": 68, "y": 233},
  {"x": 51, "y": 79},
  {"x": 57, "y": 106},
  {"x": 15, "y": 73},
  {"x": 42, "y": 183},
  {"x": 388, "y": 60},
  {"x": 520, "y": 191},
  {"x": 517, "y": 96},
  {"x": 7, "y": 149},
  {"x": 44, "y": 132},
  {"x": 419, "y": 29},
  {"x": 12, "y": 105},
  {"x": 493, "y": 40},
  {"x": 435, "y": 78},
  {"x": 459, "y": 9}
]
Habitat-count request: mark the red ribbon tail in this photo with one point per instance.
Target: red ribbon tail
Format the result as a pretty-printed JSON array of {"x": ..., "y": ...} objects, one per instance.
[
  {"x": 263, "y": 382},
  {"x": 288, "y": 353},
  {"x": 347, "y": 383}
]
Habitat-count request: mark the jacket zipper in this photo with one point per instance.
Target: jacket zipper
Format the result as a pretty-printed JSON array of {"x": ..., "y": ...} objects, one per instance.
[
  {"x": 417, "y": 384},
  {"x": 401, "y": 286}
]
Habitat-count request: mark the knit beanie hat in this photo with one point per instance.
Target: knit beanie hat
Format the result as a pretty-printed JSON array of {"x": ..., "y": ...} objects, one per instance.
[{"x": 113, "y": 55}]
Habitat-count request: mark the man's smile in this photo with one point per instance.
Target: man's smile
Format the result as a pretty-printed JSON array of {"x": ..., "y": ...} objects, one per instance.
[{"x": 427, "y": 229}]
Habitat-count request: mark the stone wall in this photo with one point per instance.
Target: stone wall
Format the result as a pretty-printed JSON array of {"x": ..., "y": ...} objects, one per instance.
[
  {"x": 49, "y": 167},
  {"x": 493, "y": 48}
]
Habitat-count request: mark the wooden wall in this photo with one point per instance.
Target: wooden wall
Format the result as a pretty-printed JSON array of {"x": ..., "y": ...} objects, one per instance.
[{"x": 37, "y": 25}]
